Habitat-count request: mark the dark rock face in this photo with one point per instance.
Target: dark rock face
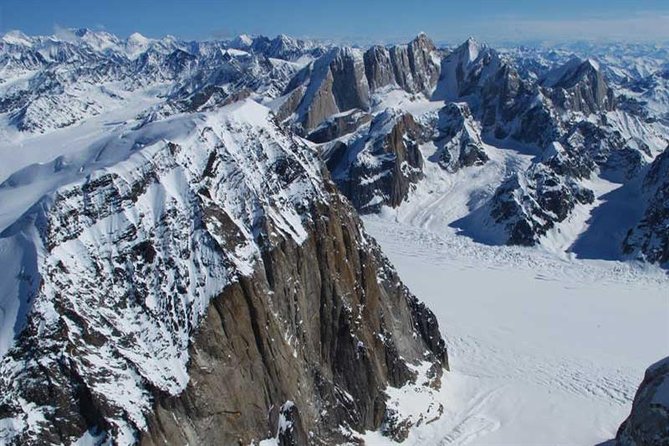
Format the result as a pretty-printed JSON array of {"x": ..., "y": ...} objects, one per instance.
[
  {"x": 411, "y": 67},
  {"x": 529, "y": 204},
  {"x": 322, "y": 325},
  {"x": 579, "y": 86},
  {"x": 344, "y": 79},
  {"x": 458, "y": 140},
  {"x": 379, "y": 67},
  {"x": 379, "y": 166},
  {"x": 339, "y": 125},
  {"x": 648, "y": 424},
  {"x": 334, "y": 83},
  {"x": 649, "y": 239}
]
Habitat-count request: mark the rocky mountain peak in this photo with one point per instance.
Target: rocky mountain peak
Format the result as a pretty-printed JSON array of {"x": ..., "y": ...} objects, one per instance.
[
  {"x": 137, "y": 38},
  {"x": 423, "y": 41},
  {"x": 469, "y": 49},
  {"x": 458, "y": 139},
  {"x": 332, "y": 84},
  {"x": 580, "y": 86},
  {"x": 570, "y": 73},
  {"x": 593, "y": 63},
  {"x": 379, "y": 164},
  {"x": 242, "y": 41},
  {"x": 411, "y": 67},
  {"x": 136, "y": 44},
  {"x": 81, "y": 32}
]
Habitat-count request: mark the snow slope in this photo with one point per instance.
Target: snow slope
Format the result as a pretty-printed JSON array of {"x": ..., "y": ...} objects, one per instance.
[{"x": 542, "y": 350}]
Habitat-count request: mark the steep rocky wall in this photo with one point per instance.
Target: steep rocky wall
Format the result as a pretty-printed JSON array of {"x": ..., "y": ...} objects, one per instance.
[
  {"x": 345, "y": 79},
  {"x": 410, "y": 67},
  {"x": 334, "y": 83},
  {"x": 648, "y": 423},
  {"x": 649, "y": 239},
  {"x": 381, "y": 163},
  {"x": 325, "y": 325}
]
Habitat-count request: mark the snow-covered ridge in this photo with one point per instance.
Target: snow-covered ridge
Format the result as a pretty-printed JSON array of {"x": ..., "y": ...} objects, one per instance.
[
  {"x": 50, "y": 82},
  {"x": 157, "y": 223}
]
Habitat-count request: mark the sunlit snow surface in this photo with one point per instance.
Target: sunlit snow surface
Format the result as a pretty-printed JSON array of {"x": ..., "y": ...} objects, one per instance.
[
  {"x": 544, "y": 347},
  {"x": 542, "y": 350}
]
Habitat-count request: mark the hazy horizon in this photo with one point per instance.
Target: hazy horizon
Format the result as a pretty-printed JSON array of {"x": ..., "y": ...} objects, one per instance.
[{"x": 520, "y": 21}]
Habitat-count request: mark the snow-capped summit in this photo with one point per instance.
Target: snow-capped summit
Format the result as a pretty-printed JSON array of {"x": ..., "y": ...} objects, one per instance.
[
  {"x": 570, "y": 73},
  {"x": 580, "y": 86},
  {"x": 242, "y": 41},
  {"x": 97, "y": 40},
  {"x": 136, "y": 44},
  {"x": 137, "y": 39},
  {"x": 16, "y": 37},
  {"x": 470, "y": 49},
  {"x": 465, "y": 68}
]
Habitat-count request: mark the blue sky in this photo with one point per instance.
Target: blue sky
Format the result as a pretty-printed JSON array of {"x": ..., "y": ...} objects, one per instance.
[{"x": 361, "y": 21}]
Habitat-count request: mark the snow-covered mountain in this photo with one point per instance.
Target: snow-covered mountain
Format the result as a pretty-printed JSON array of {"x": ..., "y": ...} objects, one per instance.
[
  {"x": 176, "y": 251},
  {"x": 566, "y": 119},
  {"x": 57, "y": 81},
  {"x": 112, "y": 277}
]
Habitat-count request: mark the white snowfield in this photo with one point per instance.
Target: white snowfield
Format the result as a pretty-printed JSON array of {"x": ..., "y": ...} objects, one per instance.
[
  {"x": 545, "y": 348},
  {"x": 543, "y": 351}
]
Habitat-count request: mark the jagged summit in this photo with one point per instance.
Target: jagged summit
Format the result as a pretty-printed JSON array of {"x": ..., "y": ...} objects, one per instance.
[
  {"x": 570, "y": 73},
  {"x": 423, "y": 37},
  {"x": 580, "y": 85},
  {"x": 470, "y": 49},
  {"x": 16, "y": 37},
  {"x": 242, "y": 41},
  {"x": 138, "y": 39}
]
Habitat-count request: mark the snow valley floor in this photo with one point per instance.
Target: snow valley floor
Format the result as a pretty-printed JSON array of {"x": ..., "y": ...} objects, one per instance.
[{"x": 543, "y": 350}]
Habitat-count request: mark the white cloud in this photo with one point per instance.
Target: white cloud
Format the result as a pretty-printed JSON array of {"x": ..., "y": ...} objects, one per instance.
[{"x": 64, "y": 34}]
